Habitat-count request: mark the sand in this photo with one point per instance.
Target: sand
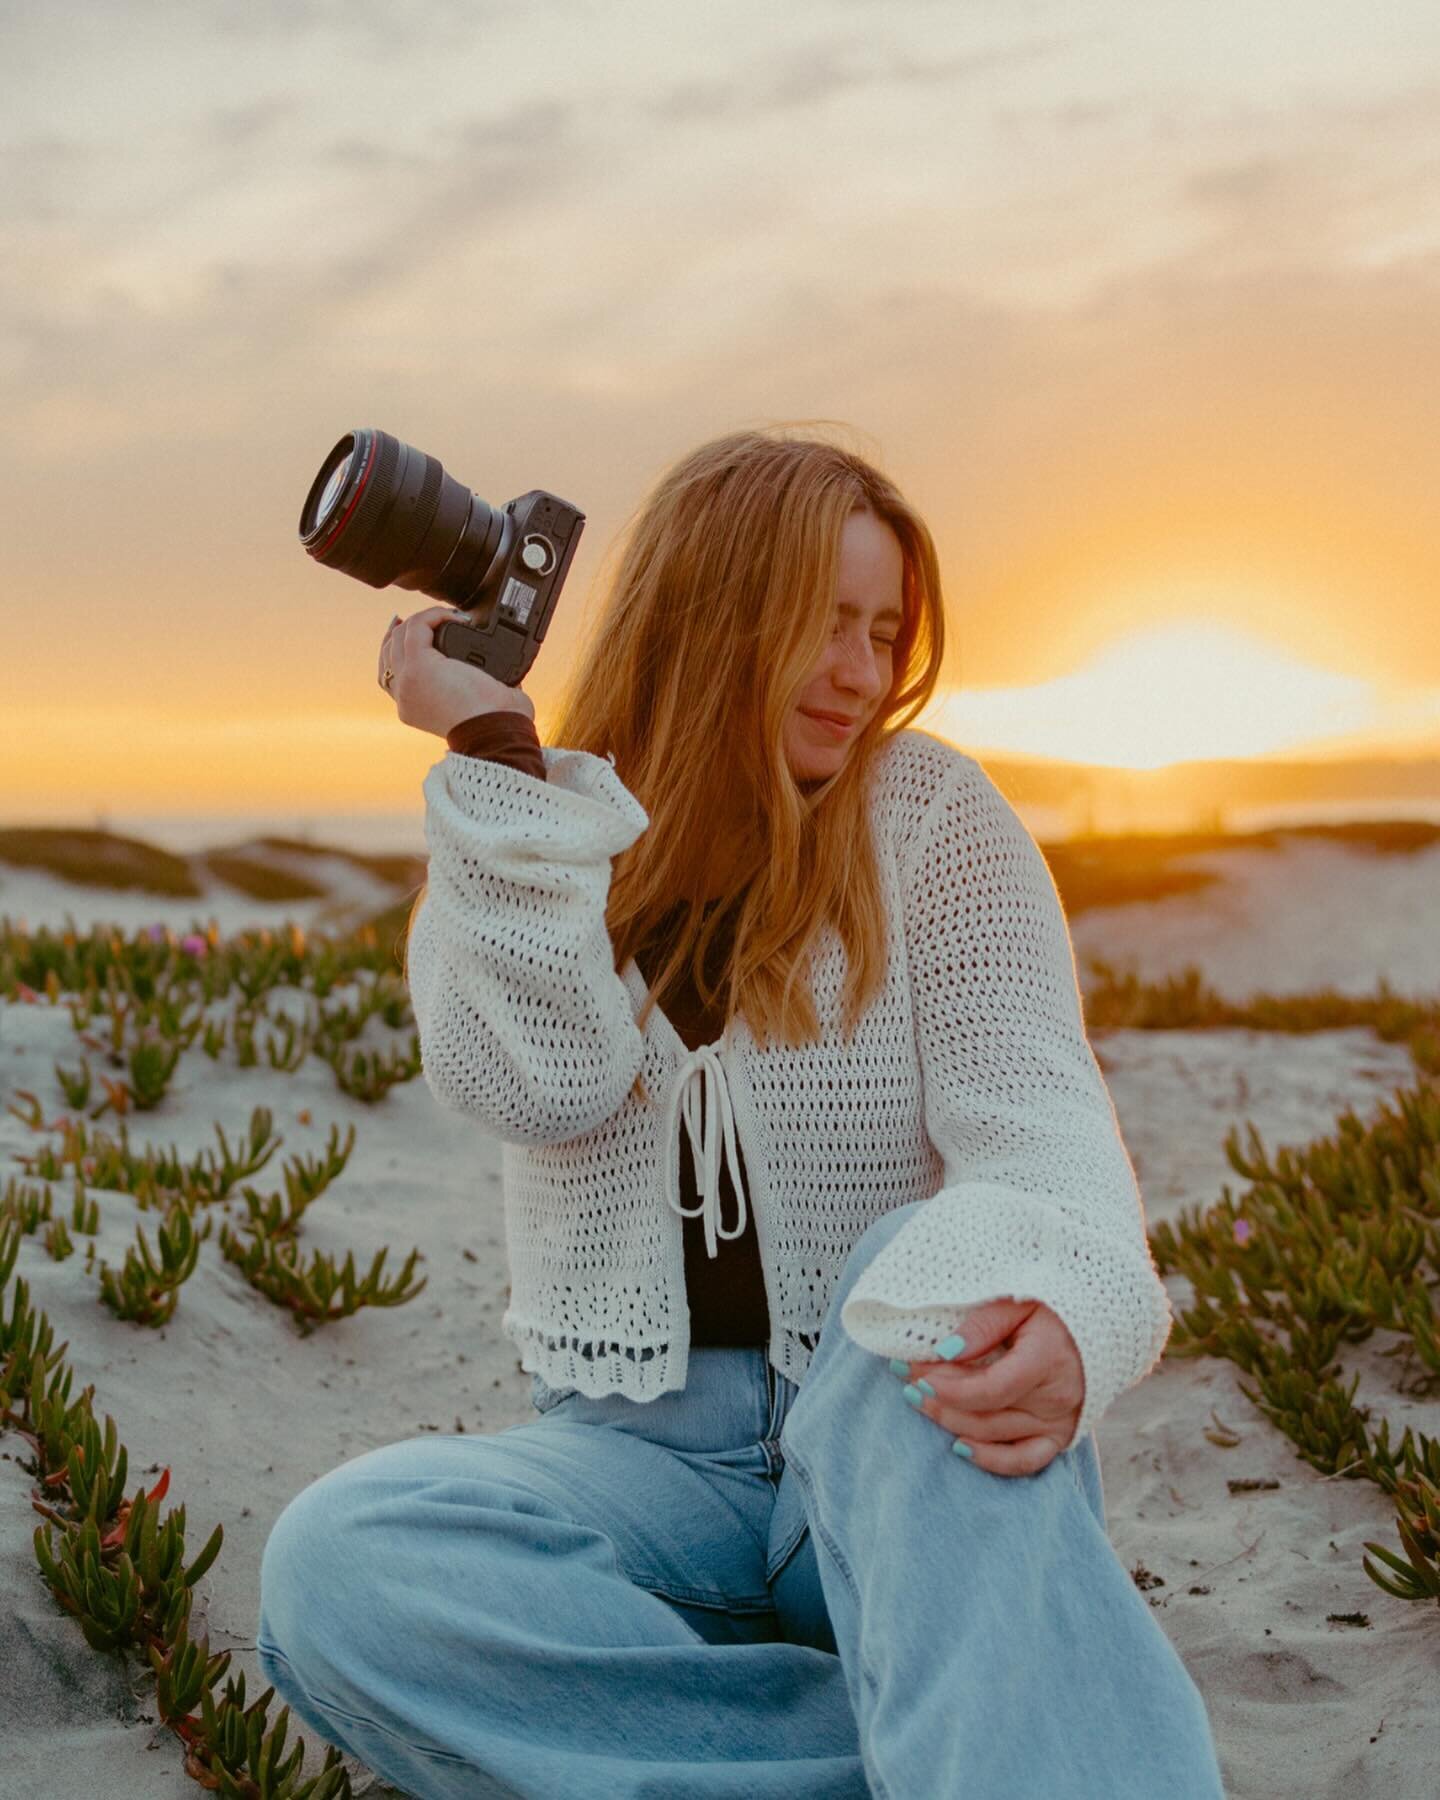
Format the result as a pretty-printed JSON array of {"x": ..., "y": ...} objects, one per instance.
[
  {"x": 1309, "y": 915},
  {"x": 1250, "y": 1588}
]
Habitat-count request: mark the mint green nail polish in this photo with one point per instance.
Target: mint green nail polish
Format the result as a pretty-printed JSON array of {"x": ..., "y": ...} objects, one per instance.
[
  {"x": 913, "y": 1395},
  {"x": 925, "y": 1388},
  {"x": 959, "y": 1449},
  {"x": 897, "y": 1367},
  {"x": 950, "y": 1349}
]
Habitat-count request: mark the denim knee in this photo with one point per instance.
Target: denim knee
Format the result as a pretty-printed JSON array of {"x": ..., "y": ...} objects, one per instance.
[{"x": 304, "y": 1560}]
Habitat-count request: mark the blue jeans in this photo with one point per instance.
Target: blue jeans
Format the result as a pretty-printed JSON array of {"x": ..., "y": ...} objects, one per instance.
[{"x": 741, "y": 1590}]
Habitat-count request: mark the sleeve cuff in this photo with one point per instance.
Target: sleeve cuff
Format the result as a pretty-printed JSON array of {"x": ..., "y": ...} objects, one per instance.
[
  {"x": 976, "y": 1242},
  {"x": 527, "y": 828}
]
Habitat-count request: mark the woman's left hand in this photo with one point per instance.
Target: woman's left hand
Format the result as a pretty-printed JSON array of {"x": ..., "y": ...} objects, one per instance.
[{"x": 1019, "y": 1411}]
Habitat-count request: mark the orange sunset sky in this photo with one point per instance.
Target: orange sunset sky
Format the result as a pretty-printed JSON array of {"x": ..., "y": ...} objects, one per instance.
[{"x": 1137, "y": 303}]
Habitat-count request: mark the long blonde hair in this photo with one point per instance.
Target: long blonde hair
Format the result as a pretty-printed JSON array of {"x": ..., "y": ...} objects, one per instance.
[{"x": 710, "y": 627}]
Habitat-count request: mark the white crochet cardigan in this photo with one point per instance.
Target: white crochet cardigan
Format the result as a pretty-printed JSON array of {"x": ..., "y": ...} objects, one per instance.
[{"x": 970, "y": 1084}]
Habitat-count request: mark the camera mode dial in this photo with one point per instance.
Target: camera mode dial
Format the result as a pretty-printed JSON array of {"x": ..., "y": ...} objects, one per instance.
[{"x": 538, "y": 554}]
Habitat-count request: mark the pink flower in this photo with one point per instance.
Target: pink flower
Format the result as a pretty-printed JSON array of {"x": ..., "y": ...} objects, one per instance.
[
  {"x": 194, "y": 943},
  {"x": 1243, "y": 1229}
]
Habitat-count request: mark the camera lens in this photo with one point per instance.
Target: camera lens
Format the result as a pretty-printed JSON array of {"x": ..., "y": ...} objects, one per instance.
[
  {"x": 389, "y": 515},
  {"x": 332, "y": 489}
]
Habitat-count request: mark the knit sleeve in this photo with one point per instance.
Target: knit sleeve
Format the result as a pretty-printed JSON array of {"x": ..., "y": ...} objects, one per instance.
[
  {"x": 523, "y": 1021},
  {"x": 1038, "y": 1200}
]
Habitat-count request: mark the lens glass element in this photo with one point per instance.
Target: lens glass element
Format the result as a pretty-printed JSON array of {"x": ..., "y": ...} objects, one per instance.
[{"x": 333, "y": 487}]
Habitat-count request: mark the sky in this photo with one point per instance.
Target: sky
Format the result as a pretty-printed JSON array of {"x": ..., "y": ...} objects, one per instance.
[{"x": 1137, "y": 304}]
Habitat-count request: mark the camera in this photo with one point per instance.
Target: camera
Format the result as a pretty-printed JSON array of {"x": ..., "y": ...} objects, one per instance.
[{"x": 389, "y": 515}]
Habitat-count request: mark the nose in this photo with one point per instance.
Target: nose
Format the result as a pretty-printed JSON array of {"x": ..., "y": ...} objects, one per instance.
[{"x": 860, "y": 674}]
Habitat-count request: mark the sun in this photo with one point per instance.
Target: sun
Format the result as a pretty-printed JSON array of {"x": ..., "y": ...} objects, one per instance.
[{"x": 1186, "y": 692}]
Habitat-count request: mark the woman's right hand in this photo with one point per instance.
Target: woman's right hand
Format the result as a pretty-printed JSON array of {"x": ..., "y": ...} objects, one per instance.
[{"x": 434, "y": 692}]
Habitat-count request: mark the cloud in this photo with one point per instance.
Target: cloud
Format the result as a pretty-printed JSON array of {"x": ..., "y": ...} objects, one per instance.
[
  {"x": 1078, "y": 115},
  {"x": 36, "y": 173},
  {"x": 1240, "y": 187},
  {"x": 816, "y": 73},
  {"x": 375, "y": 20},
  {"x": 239, "y": 127},
  {"x": 104, "y": 366}
]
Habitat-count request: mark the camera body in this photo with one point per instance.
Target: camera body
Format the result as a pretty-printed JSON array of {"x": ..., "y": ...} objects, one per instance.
[
  {"x": 541, "y": 534},
  {"x": 389, "y": 515}
]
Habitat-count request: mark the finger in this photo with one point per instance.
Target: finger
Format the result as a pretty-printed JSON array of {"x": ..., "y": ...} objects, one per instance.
[
  {"x": 1028, "y": 1457},
  {"x": 1001, "y": 1383},
  {"x": 989, "y": 1428},
  {"x": 421, "y": 626},
  {"x": 1003, "y": 1425},
  {"x": 914, "y": 1370},
  {"x": 998, "y": 1428},
  {"x": 424, "y": 620},
  {"x": 383, "y": 661}
]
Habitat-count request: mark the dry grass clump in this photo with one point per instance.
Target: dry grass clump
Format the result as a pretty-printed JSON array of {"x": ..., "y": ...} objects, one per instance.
[
  {"x": 1384, "y": 837},
  {"x": 1092, "y": 872},
  {"x": 99, "y": 859},
  {"x": 1119, "y": 870},
  {"x": 107, "y": 859},
  {"x": 1186, "y": 1002}
]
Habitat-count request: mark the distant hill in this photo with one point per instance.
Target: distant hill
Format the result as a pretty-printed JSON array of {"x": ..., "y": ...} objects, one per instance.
[
  {"x": 43, "y": 869},
  {"x": 1061, "y": 800}
]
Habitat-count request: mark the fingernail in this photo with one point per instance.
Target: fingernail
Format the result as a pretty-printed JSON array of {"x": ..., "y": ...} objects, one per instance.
[
  {"x": 913, "y": 1395},
  {"x": 925, "y": 1388},
  {"x": 959, "y": 1449},
  {"x": 950, "y": 1349},
  {"x": 897, "y": 1367}
]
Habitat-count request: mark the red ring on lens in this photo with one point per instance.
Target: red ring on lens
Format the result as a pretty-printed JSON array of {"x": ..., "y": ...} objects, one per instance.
[{"x": 320, "y": 549}]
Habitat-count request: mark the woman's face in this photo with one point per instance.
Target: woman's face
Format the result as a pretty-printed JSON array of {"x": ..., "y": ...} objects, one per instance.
[{"x": 854, "y": 673}]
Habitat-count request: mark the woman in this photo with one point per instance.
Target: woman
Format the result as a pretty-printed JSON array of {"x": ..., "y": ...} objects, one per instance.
[{"x": 732, "y": 1555}]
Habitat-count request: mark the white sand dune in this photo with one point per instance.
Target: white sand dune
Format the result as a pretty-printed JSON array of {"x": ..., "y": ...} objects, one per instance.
[
  {"x": 33, "y": 897},
  {"x": 245, "y": 1413},
  {"x": 1307, "y": 915}
]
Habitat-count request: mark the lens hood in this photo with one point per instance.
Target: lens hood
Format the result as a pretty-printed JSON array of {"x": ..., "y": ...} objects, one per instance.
[{"x": 389, "y": 515}]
